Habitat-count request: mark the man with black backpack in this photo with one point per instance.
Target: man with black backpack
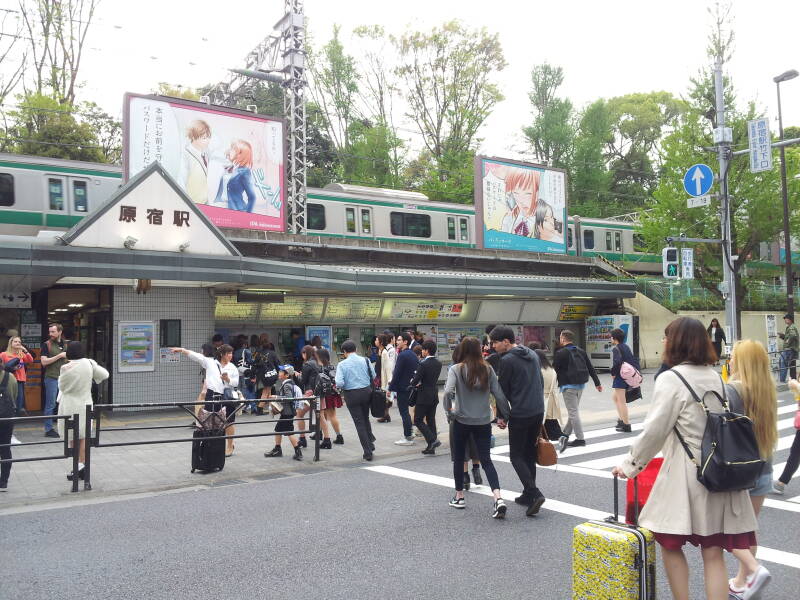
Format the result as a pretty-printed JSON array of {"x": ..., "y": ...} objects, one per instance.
[{"x": 573, "y": 369}]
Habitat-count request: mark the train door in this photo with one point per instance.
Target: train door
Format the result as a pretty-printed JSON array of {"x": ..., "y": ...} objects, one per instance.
[
  {"x": 358, "y": 221},
  {"x": 66, "y": 199},
  {"x": 463, "y": 230}
]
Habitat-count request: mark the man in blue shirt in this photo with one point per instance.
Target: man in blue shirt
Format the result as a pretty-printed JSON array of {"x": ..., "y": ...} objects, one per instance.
[
  {"x": 404, "y": 368},
  {"x": 354, "y": 375}
]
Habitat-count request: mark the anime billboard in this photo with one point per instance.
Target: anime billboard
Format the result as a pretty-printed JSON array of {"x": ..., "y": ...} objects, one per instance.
[
  {"x": 520, "y": 206},
  {"x": 229, "y": 162}
]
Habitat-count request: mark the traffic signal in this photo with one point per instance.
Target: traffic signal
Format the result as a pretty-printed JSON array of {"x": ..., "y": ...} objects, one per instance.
[{"x": 669, "y": 263}]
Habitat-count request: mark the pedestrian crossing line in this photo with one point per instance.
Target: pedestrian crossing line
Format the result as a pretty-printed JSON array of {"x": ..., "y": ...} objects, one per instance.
[
  {"x": 772, "y": 555},
  {"x": 795, "y": 499}
]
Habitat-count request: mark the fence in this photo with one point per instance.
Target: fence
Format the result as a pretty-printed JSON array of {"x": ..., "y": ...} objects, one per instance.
[
  {"x": 71, "y": 426},
  {"x": 94, "y": 429},
  {"x": 690, "y": 295}
]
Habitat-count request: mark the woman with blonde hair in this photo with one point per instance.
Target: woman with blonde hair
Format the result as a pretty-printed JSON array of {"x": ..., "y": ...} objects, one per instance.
[
  {"x": 751, "y": 391},
  {"x": 17, "y": 350}
]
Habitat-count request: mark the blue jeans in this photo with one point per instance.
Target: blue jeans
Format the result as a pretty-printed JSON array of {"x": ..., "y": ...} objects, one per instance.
[
  {"x": 20, "y": 396},
  {"x": 788, "y": 361},
  {"x": 402, "y": 406},
  {"x": 249, "y": 393},
  {"x": 50, "y": 397}
]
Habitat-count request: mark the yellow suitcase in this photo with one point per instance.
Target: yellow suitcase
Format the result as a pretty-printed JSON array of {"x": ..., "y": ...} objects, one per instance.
[{"x": 613, "y": 560}]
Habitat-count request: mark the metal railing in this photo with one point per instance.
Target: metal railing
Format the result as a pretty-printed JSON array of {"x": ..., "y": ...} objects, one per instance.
[
  {"x": 71, "y": 426},
  {"x": 93, "y": 427}
]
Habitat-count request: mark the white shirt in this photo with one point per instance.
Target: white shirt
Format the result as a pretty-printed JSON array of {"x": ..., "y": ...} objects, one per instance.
[{"x": 214, "y": 370}]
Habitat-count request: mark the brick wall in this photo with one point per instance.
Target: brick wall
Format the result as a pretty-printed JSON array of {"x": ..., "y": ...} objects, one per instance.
[{"x": 169, "y": 382}]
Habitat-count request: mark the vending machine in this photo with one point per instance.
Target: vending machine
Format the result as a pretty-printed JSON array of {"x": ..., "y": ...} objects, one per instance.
[{"x": 598, "y": 337}]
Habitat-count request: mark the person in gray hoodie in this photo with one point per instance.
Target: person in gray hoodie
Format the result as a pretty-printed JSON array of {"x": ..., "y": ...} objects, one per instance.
[
  {"x": 467, "y": 404},
  {"x": 520, "y": 377}
]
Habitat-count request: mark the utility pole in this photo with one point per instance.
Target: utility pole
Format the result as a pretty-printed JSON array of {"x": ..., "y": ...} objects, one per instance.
[{"x": 723, "y": 138}]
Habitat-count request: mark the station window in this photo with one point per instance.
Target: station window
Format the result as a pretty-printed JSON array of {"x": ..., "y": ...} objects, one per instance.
[
  {"x": 588, "y": 239},
  {"x": 618, "y": 241},
  {"x": 366, "y": 221},
  {"x": 315, "y": 217},
  {"x": 55, "y": 191},
  {"x": 570, "y": 241},
  {"x": 6, "y": 189},
  {"x": 464, "y": 228},
  {"x": 451, "y": 228},
  {"x": 350, "y": 218},
  {"x": 608, "y": 241},
  {"x": 170, "y": 333},
  {"x": 410, "y": 224},
  {"x": 80, "y": 199}
]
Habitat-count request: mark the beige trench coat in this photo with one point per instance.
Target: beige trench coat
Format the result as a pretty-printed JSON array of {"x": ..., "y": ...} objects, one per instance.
[
  {"x": 552, "y": 397},
  {"x": 678, "y": 503}
]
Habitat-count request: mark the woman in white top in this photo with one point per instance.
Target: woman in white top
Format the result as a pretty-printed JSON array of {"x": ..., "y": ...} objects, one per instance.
[
  {"x": 75, "y": 393},
  {"x": 221, "y": 373},
  {"x": 388, "y": 358},
  {"x": 552, "y": 397}
]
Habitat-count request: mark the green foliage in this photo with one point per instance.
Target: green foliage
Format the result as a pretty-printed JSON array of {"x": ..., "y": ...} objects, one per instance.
[
  {"x": 553, "y": 132},
  {"x": 590, "y": 178},
  {"x": 107, "y": 130}
]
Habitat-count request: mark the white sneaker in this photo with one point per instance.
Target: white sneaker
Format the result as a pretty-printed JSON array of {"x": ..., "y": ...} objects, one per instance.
[
  {"x": 756, "y": 584},
  {"x": 778, "y": 487},
  {"x": 404, "y": 442},
  {"x": 14, "y": 440}
]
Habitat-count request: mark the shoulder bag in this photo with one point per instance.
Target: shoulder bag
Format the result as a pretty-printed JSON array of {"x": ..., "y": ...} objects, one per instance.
[
  {"x": 377, "y": 399},
  {"x": 228, "y": 392},
  {"x": 729, "y": 456},
  {"x": 545, "y": 451}
]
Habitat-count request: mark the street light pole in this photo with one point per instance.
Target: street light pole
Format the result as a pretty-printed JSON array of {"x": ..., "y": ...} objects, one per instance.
[{"x": 787, "y": 238}]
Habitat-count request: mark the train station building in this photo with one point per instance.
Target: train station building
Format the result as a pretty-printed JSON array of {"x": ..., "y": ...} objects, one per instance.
[{"x": 149, "y": 270}]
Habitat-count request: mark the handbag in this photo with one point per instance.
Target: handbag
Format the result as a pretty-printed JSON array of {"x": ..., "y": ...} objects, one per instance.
[
  {"x": 545, "y": 451},
  {"x": 413, "y": 394},
  {"x": 228, "y": 392},
  {"x": 633, "y": 394},
  {"x": 377, "y": 399},
  {"x": 729, "y": 456}
]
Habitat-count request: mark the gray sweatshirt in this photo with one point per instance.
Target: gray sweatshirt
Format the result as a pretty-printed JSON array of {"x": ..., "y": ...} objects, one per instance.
[{"x": 472, "y": 406}]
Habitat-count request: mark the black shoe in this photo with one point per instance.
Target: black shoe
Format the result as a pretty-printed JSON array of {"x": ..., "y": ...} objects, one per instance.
[
  {"x": 576, "y": 443},
  {"x": 302, "y": 443},
  {"x": 276, "y": 451},
  {"x": 533, "y": 509},
  {"x": 619, "y": 425},
  {"x": 368, "y": 457},
  {"x": 339, "y": 439},
  {"x": 52, "y": 433},
  {"x": 326, "y": 444},
  {"x": 386, "y": 419},
  {"x": 476, "y": 476},
  {"x": 626, "y": 428},
  {"x": 372, "y": 447},
  {"x": 466, "y": 481},
  {"x": 81, "y": 473},
  {"x": 523, "y": 500},
  {"x": 259, "y": 410},
  {"x": 429, "y": 451},
  {"x": 298, "y": 454}
]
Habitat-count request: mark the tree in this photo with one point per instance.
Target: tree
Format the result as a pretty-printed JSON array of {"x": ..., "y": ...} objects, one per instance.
[
  {"x": 187, "y": 93},
  {"x": 590, "y": 179},
  {"x": 447, "y": 76},
  {"x": 9, "y": 43},
  {"x": 553, "y": 132},
  {"x": 107, "y": 130}
]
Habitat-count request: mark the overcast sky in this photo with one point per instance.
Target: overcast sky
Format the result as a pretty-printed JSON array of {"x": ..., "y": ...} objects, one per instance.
[{"x": 606, "y": 48}]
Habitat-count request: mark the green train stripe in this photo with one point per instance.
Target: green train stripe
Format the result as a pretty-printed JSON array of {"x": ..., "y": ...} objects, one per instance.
[
  {"x": 391, "y": 204},
  {"x": 61, "y": 220},
  {"x": 398, "y": 240},
  {"x": 19, "y": 217},
  {"x": 56, "y": 169}
]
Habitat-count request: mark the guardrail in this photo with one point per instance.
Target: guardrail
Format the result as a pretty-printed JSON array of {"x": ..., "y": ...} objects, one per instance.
[
  {"x": 93, "y": 427},
  {"x": 71, "y": 426}
]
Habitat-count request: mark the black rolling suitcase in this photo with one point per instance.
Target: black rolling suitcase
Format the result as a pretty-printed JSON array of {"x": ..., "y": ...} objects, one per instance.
[{"x": 208, "y": 451}]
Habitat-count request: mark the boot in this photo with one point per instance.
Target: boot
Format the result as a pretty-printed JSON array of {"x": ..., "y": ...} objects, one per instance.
[
  {"x": 339, "y": 439},
  {"x": 276, "y": 451},
  {"x": 302, "y": 443},
  {"x": 476, "y": 475},
  {"x": 626, "y": 428},
  {"x": 620, "y": 425},
  {"x": 326, "y": 444},
  {"x": 298, "y": 453}
]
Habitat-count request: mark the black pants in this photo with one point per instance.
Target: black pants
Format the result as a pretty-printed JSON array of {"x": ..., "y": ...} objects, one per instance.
[
  {"x": 522, "y": 435},
  {"x": 357, "y": 402},
  {"x": 482, "y": 434},
  {"x": 794, "y": 460},
  {"x": 425, "y": 420},
  {"x": 6, "y": 429}
]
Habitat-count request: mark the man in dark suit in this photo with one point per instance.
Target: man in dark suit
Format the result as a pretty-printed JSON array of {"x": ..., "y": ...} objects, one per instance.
[{"x": 426, "y": 380}]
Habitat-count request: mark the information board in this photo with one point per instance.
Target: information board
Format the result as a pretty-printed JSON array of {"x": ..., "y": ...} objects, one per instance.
[
  {"x": 575, "y": 312},
  {"x": 136, "y": 346},
  {"x": 427, "y": 311},
  {"x": 353, "y": 309}
]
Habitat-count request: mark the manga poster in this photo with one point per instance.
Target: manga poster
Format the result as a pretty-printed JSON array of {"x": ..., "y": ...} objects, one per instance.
[
  {"x": 520, "y": 206},
  {"x": 229, "y": 162}
]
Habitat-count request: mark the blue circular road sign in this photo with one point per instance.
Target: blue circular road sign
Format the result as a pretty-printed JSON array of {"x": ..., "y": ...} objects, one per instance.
[{"x": 698, "y": 180}]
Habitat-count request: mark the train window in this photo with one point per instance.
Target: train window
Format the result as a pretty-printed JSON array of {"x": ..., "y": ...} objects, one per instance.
[
  {"x": 80, "y": 200},
  {"x": 464, "y": 229},
  {"x": 55, "y": 191},
  {"x": 588, "y": 239},
  {"x": 451, "y": 228},
  {"x": 608, "y": 241},
  {"x": 315, "y": 217},
  {"x": 410, "y": 224},
  {"x": 570, "y": 241},
  {"x": 350, "y": 218},
  {"x": 617, "y": 241},
  {"x": 638, "y": 243},
  {"x": 6, "y": 189},
  {"x": 366, "y": 221}
]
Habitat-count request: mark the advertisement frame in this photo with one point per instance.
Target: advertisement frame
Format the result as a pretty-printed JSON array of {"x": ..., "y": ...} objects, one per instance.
[
  {"x": 478, "y": 199},
  {"x": 207, "y": 107},
  {"x": 150, "y": 365}
]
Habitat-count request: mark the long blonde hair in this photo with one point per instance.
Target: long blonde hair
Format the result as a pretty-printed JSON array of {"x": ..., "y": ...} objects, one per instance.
[
  {"x": 10, "y": 350},
  {"x": 750, "y": 366}
]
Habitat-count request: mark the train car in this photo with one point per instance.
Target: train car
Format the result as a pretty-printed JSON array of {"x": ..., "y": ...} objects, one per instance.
[
  {"x": 49, "y": 193},
  {"x": 615, "y": 240}
]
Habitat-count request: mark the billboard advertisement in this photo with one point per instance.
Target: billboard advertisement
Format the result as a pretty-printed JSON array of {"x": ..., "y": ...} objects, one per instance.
[
  {"x": 520, "y": 206},
  {"x": 229, "y": 162}
]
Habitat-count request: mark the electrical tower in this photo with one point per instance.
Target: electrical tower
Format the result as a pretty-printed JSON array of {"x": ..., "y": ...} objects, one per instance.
[{"x": 280, "y": 58}]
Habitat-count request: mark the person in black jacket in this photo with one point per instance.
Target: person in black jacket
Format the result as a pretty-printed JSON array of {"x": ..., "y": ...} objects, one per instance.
[
  {"x": 404, "y": 368},
  {"x": 717, "y": 335},
  {"x": 621, "y": 354},
  {"x": 426, "y": 380},
  {"x": 521, "y": 380},
  {"x": 573, "y": 369},
  {"x": 308, "y": 383}
]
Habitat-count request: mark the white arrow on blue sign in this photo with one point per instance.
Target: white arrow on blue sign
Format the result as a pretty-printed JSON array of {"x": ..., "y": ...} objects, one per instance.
[{"x": 698, "y": 180}]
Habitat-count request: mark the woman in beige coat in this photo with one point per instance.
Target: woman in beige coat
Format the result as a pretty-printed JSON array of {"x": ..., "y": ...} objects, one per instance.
[
  {"x": 75, "y": 393},
  {"x": 680, "y": 509}
]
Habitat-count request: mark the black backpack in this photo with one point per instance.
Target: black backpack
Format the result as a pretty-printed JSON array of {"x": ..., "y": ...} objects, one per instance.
[
  {"x": 729, "y": 456},
  {"x": 325, "y": 383},
  {"x": 577, "y": 371}
]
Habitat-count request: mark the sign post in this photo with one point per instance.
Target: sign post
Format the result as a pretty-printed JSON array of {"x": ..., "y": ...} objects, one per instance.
[
  {"x": 698, "y": 180},
  {"x": 760, "y": 143}
]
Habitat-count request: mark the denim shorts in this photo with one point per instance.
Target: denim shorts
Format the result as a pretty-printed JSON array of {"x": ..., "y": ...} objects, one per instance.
[{"x": 763, "y": 484}]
